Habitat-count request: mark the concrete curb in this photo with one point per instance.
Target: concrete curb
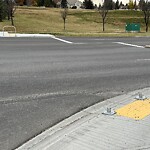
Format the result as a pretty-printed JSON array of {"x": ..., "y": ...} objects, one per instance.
[
  {"x": 147, "y": 46},
  {"x": 57, "y": 132},
  {"x": 6, "y": 34},
  {"x": 34, "y": 35}
]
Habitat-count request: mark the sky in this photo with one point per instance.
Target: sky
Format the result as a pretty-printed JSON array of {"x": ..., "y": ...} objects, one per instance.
[{"x": 98, "y": 1}]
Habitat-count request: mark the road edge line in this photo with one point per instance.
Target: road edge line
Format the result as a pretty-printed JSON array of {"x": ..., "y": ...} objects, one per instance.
[
  {"x": 128, "y": 44},
  {"x": 65, "y": 41}
]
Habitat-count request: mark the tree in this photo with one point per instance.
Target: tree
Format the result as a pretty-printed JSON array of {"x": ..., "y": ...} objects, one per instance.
[
  {"x": 40, "y": 2},
  {"x": 3, "y": 13},
  {"x": 103, "y": 11},
  {"x": 64, "y": 4},
  {"x": 141, "y": 4},
  {"x": 10, "y": 4},
  {"x": 88, "y": 4},
  {"x": 117, "y": 4},
  {"x": 135, "y": 5},
  {"x": 64, "y": 14},
  {"x": 49, "y": 3},
  {"x": 130, "y": 5},
  {"x": 108, "y": 4},
  {"x": 1, "y": 10},
  {"x": 121, "y": 5},
  {"x": 20, "y": 2},
  {"x": 145, "y": 6}
]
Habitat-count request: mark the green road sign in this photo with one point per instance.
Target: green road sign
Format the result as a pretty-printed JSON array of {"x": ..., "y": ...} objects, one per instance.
[{"x": 132, "y": 27}]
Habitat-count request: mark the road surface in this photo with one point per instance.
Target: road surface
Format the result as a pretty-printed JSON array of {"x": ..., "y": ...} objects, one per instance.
[{"x": 45, "y": 80}]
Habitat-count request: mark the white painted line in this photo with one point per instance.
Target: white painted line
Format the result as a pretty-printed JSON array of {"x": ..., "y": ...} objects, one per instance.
[
  {"x": 79, "y": 43},
  {"x": 127, "y": 44},
  {"x": 62, "y": 40},
  {"x": 34, "y": 35},
  {"x": 101, "y": 39},
  {"x": 143, "y": 59}
]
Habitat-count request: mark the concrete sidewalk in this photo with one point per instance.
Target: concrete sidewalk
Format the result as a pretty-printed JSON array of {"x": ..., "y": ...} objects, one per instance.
[{"x": 93, "y": 130}]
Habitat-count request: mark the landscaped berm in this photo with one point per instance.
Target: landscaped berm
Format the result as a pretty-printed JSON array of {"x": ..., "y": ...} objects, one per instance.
[{"x": 78, "y": 23}]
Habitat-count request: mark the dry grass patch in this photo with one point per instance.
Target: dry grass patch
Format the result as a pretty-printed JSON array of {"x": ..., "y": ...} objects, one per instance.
[{"x": 78, "y": 23}]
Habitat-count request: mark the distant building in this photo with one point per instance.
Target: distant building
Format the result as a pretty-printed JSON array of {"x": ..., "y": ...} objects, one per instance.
[
  {"x": 74, "y": 4},
  {"x": 78, "y": 4},
  {"x": 57, "y": 2},
  {"x": 71, "y": 3}
]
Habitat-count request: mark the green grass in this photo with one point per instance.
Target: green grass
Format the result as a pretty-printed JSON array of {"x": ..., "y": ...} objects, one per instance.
[{"x": 78, "y": 23}]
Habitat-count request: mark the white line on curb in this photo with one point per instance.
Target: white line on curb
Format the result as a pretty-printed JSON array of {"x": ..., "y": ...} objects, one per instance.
[
  {"x": 36, "y": 35},
  {"x": 62, "y": 40},
  {"x": 129, "y": 44}
]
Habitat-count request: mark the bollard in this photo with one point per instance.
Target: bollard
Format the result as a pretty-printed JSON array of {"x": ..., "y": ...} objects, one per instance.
[
  {"x": 109, "y": 111},
  {"x": 140, "y": 96}
]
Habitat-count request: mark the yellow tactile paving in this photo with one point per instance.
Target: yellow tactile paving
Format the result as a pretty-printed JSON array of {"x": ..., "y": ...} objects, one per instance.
[{"x": 136, "y": 110}]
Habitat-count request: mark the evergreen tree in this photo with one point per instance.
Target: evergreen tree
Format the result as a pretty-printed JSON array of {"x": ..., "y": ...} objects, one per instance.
[
  {"x": 88, "y": 4},
  {"x": 121, "y": 5},
  {"x": 95, "y": 6},
  {"x": 47, "y": 3},
  {"x": 40, "y": 2},
  {"x": 108, "y": 4},
  {"x": 130, "y": 5},
  {"x": 117, "y": 4},
  {"x": 135, "y": 5},
  {"x": 64, "y": 4},
  {"x": 141, "y": 2},
  {"x": 1, "y": 10}
]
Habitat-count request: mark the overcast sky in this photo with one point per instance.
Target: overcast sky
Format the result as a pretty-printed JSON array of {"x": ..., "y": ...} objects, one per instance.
[{"x": 98, "y": 1}]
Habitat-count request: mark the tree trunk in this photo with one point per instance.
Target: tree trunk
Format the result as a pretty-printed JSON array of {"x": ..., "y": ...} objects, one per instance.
[
  {"x": 146, "y": 18},
  {"x": 11, "y": 18},
  {"x": 103, "y": 25},
  {"x": 64, "y": 24},
  {"x": 146, "y": 27},
  {"x": 12, "y": 21},
  {"x": 103, "y": 12}
]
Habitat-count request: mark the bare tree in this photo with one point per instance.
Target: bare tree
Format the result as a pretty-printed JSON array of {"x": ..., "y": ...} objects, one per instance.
[
  {"x": 10, "y": 10},
  {"x": 146, "y": 11},
  {"x": 64, "y": 14},
  {"x": 144, "y": 5},
  {"x": 103, "y": 11}
]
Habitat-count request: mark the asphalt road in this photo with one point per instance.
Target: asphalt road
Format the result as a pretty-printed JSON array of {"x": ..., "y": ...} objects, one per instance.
[{"x": 44, "y": 80}]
